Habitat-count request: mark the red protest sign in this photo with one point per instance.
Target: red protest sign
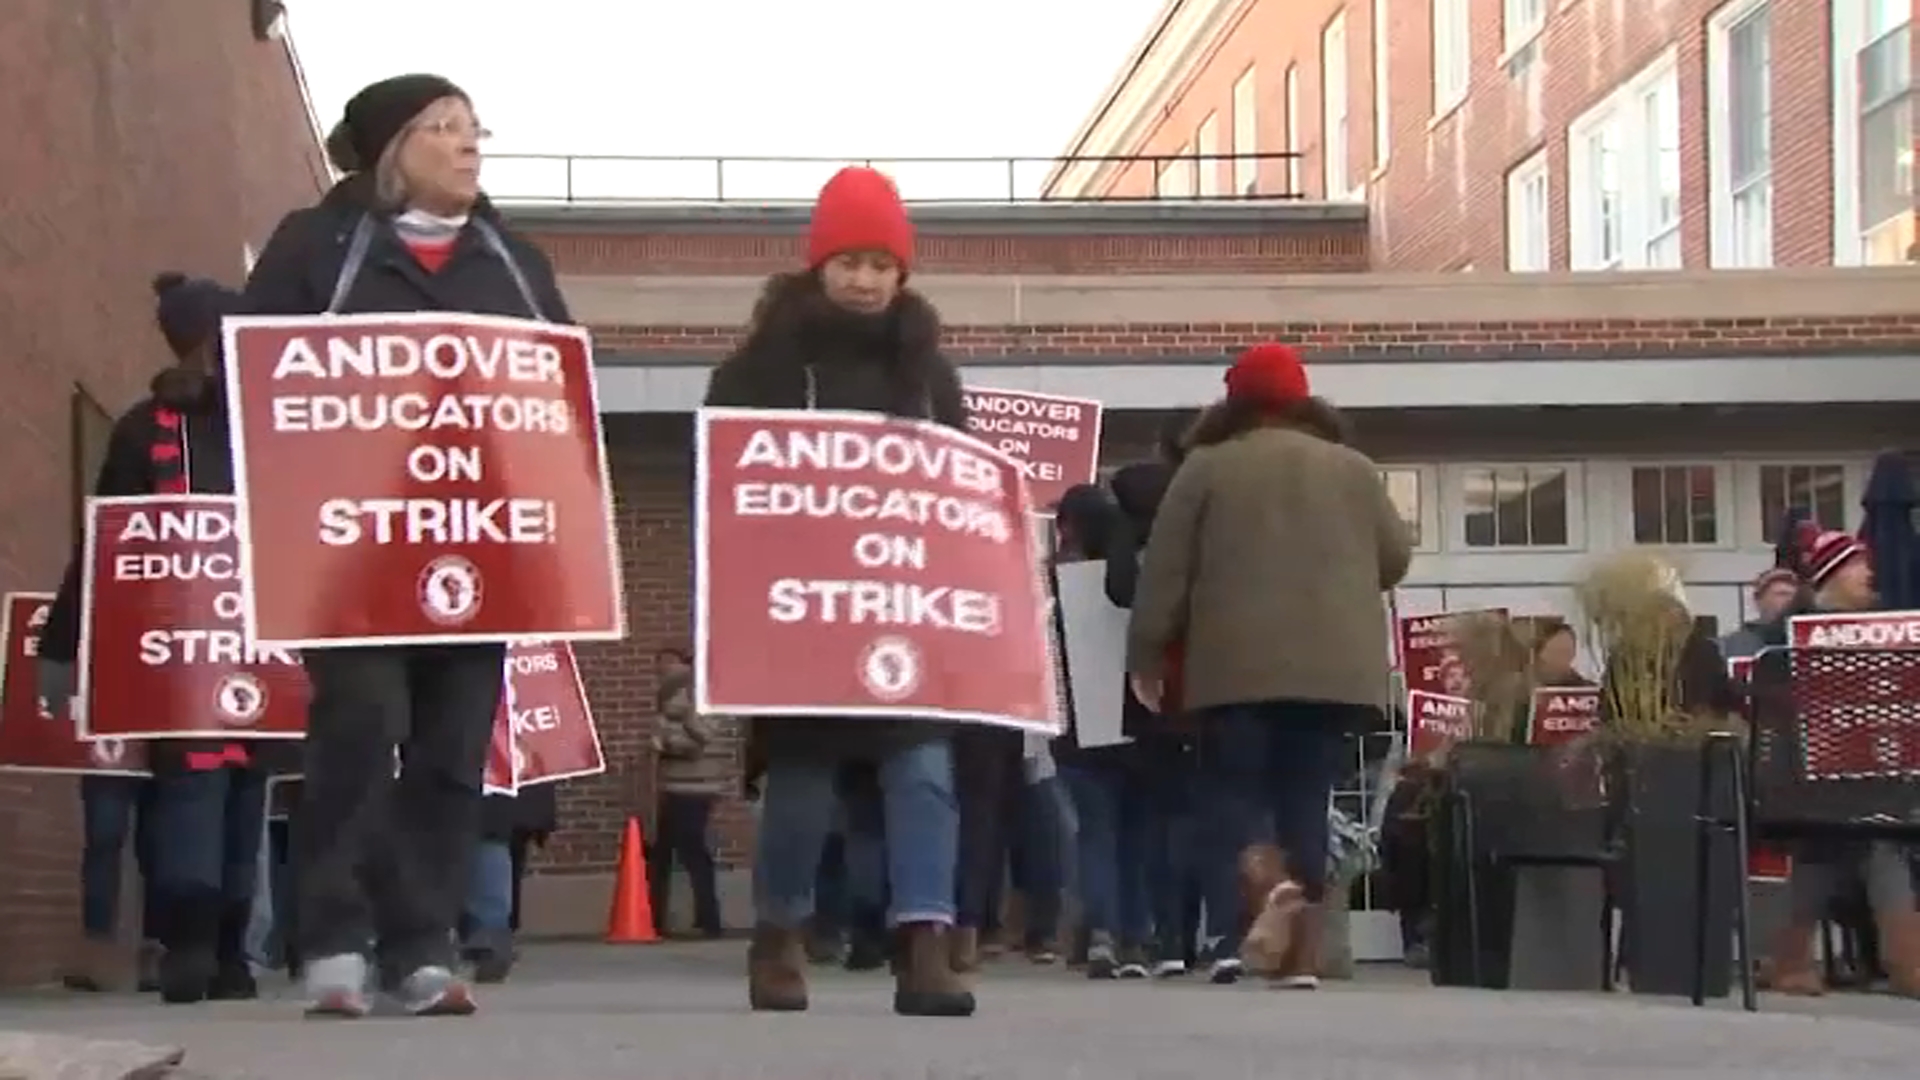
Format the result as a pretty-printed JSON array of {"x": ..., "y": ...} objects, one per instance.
[
  {"x": 1055, "y": 440},
  {"x": 1562, "y": 714},
  {"x": 163, "y": 654},
  {"x": 31, "y": 738},
  {"x": 1426, "y": 650},
  {"x": 856, "y": 565},
  {"x": 417, "y": 478},
  {"x": 1436, "y": 720},
  {"x": 553, "y": 737},
  {"x": 1855, "y": 708},
  {"x": 1769, "y": 864}
]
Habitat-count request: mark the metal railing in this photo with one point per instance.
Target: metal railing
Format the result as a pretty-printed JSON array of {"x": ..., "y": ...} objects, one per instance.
[{"x": 616, "y": 180}]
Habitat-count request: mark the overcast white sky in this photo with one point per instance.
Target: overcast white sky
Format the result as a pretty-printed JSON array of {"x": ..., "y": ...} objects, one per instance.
[{"x": 816, "y": 78}]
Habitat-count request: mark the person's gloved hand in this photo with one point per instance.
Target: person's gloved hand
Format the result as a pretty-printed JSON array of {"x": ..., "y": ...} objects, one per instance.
[{"x": 58, "y": 680}]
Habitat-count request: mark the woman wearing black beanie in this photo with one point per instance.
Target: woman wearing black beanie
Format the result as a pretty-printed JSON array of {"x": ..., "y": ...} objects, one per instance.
[{"x": 379, "y": 858}]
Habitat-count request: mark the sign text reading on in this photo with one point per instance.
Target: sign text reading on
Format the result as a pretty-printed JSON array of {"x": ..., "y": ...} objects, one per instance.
[
  {"x": 206, "y": 531},
  {"x": 450, "y": 424},
  {"x": 926, "y": 487}
]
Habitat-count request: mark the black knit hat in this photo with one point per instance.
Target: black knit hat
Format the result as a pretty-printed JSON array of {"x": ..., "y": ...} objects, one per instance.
[
  {"x": 377, "y": 114},
  {"x": 189, "y": 309}
]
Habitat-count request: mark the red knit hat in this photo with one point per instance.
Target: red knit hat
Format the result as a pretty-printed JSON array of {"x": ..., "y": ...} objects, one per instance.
[
  {"x": 1828, "y": 552},
  {"x": 859, "y": 210},
  {"x": 1269, "y": 375}
]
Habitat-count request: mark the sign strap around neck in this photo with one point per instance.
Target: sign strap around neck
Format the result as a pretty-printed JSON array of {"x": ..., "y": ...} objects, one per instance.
[
  {"x": 499, "y": 247},
  {"x": 350, "y": 266}
]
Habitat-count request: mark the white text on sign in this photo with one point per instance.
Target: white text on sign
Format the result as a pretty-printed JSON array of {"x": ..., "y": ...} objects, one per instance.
[
  {"x": 1012, "y": 424},
  {"x": 926, "y": 475},
  {"x": 446, "y": 357},
  {"x": 190, "y": 645}
]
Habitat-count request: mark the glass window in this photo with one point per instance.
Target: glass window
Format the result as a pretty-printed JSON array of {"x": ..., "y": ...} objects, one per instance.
[
  {"x": 1521, "y": 21},
  {"x": 1403, "y": 487},
  {"x": 1452, "y": 53},
  {"x": 1206, "y": 153},
  {"x": 1819, "y": 489},
  {"x": 1676, "y": 504},
  {"x": 1333, "y": 104},
  {"x": 1516, "y": 506},
  {"x": 1885, "y": 78},
  {"x": 1623, "y": 177},
  {"x": 1749, "y": 152},
  {"x": 1246, "y": 136},
  {"x": 1293, "y": 131},
  {"x": 1529, "y": 247}
]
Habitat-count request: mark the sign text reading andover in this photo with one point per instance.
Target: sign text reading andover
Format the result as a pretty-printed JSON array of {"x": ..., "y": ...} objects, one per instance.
[
  {"x": 851, "y": 564},
  {"x": 446, "y": 470}
]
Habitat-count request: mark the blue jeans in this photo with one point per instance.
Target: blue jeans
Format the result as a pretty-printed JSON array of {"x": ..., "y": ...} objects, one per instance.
[
  {"x": 207, "y": 833},
  {"x": 1269, "y": 766},
  {"x": 1174, "y": 865},
  {"x": 111, "y": 809},
  {"x": 1115, "y": 819},
  {"x": 489, "y": 906},
  {"x": 1039, "y": 869},
  {"x": 922, "y": 818}
]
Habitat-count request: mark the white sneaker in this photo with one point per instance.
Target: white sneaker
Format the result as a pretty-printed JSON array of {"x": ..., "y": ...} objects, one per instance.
[
  {"x": 336, "y": 987},
  {"x": 1297, "y": 982},
  {"x": 1170, "y": 969},
  {"x": 1226, "y": 971},
  {"x": 435, "y": 991}
]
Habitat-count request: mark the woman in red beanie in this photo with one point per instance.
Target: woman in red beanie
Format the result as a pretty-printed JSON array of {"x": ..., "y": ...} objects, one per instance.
[
  {"x": 1267, "y": 559},
  {"x": 846, "y": 334}
]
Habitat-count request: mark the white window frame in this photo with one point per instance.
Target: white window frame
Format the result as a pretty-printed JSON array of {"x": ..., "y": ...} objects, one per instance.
[
  {"x": 1520, "y": 22},
  {"x": 1454, "y": 503},
  {"x": 1246, "y": 134},
  {"x": 1335, "y": 145},
  {"x": 1431, "y": 497},
  {"x": 1530, "y": 216},
  {"x": 1382, "y": 90},
  {"x": 1452, "y": 52},
  {"x": 1750, "y": 528},
  {"x": 1640, "y": 229},
  {"x": 1206, "y": 156},
  {"x": 1292, "y": 90},
  {"x": 1726, "y": 523},
  {"x": 1740, "y": 222},
  {"x": 1852, "y": 32}
]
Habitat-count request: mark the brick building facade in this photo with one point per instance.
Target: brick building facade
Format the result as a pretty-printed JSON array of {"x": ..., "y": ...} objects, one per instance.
[
  {"x": 1535, "y": 134},
  {"x": 144, "y": 136}
]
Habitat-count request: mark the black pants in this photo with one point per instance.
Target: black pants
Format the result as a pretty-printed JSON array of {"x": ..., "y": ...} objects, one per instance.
[
  {"x": 680, "y": 836},
  {"x": 382, "y": 859},
  {"x": 987, "y": 776}
]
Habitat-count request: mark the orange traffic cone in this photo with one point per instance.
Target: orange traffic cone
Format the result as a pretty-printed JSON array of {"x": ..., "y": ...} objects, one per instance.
[{"x": 631, "y": 920}]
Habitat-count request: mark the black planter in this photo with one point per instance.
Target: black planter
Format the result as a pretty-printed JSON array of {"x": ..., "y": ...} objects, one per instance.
[
  {"x": 1536, "y": 823},
  {"x": 1660, "y": 885}
]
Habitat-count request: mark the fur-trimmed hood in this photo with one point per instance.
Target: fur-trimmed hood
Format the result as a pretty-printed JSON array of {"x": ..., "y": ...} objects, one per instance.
[{"x": 887, "y": 363}]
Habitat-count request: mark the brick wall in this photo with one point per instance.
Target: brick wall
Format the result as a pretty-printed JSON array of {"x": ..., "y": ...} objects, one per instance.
[
  {"x": 145, "y": 135},
  {"x": 1282, "y": 243},
  {"x": 1438, "y": 202},
  {"x": 653, "y": 472}
]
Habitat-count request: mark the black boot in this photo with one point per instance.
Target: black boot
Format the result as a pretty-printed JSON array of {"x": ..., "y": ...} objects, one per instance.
[
  {"x": 233, "y": 976},
  {"x": 191, "y": 962},
  {"x": 491, "y": 953}
]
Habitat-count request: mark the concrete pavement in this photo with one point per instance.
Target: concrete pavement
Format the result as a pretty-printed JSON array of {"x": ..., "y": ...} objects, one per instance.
[{"x": 677, "y": 1012}]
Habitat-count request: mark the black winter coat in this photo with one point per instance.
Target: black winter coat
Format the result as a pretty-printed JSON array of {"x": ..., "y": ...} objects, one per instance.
[
  {"x": 803, "y": 352},
  {"x": 533, "y": 813},
  {"x": 190, "y": 451},
  {"x": 300, "y": 266}
]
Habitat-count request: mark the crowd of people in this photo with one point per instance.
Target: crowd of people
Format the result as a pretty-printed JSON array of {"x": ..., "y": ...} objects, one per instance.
[{"x": 883, "y": 843}]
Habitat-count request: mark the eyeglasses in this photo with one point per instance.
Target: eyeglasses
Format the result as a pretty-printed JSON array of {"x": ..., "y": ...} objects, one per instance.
[{"x": 450, "y": 126}]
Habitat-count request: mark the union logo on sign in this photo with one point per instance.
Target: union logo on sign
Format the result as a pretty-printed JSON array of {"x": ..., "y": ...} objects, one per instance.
[
  {"x": 450, "y": 590},
  {"x": 890, "y": 668},
  {"x": 239, "y": 700}
]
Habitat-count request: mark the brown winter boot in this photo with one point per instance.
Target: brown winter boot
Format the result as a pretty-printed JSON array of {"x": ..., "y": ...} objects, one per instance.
[
  {"x": 1791, "y": 969},
  {"x": 777, "y": 969},
  {"x": 928, "y": 984},
  {"x": 964, "y": 942},
  {"x": 1900, "y": 950},
  {"x": 1301, "y": 968}
]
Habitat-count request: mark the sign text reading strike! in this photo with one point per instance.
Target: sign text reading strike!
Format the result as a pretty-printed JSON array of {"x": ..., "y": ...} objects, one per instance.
[
  {"x": 922, "y": 496},
  {"x": 443, "y": 420}
]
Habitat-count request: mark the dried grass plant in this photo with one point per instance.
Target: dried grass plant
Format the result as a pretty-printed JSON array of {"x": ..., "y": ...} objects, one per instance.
[
  {"x": 1496, "y": 654},
  {"x": 1638, "y": 623}
]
